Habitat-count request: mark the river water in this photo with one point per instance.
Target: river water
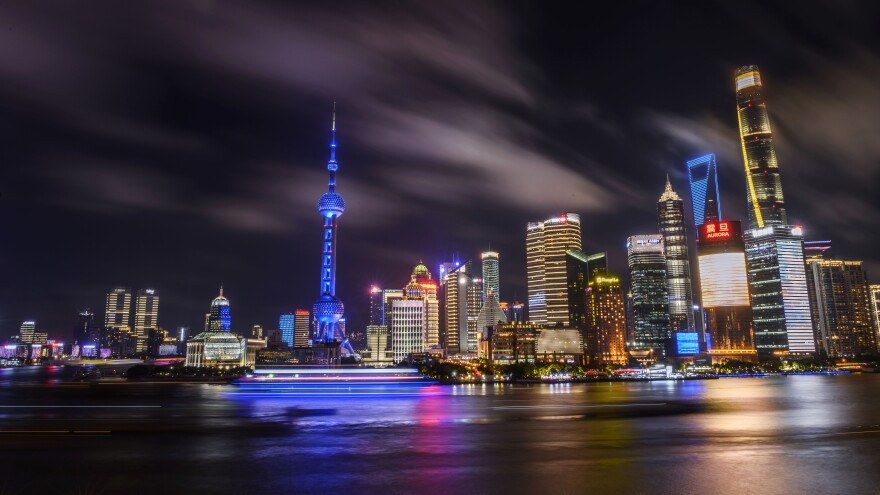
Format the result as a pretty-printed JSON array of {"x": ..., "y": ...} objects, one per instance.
[{"x": 776, "y": 435}]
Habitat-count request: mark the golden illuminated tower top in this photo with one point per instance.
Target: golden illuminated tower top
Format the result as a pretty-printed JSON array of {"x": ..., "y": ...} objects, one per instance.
[{"x": 766, "y": 202}]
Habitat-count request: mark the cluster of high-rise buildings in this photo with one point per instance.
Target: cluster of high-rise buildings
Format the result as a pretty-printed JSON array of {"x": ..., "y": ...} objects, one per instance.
[{"x": 756, "y": 290}]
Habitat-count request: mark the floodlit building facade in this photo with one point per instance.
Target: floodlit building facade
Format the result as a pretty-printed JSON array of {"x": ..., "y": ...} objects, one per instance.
[
  {"x": 146, "y": 318},
  {"x": 843, "y": 303},
  {"x": 491, "y": 279},
  {"x": 725, "y": 291},
  {"x": 650, "y": 297},
  {"x": 377, "y": 353},
  {"x": 670, "y": 218},
  {"x": 408, "y": 319},
  {"x": 547, "y": 278},
  {"x": 764, "y": 185},
  {"x": 778, "y": 289},
  {"x": 605, "y": 340}
]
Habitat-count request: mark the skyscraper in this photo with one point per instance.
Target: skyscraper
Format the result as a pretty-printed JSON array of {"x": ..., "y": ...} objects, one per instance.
[
  {"x": 376, "y": 307},
  {"x": 843, "y": 305},
  {"x": 874, "y": 296},
  {"x": 118, "y": 310},
  {"x": 725, "y": 291},
  {"x": 287, "y": 323},
  {"x": 146, "y": 317},
  {"x": 428, "y": 288},
  {"x": 605, "y": 340},
  {"x": 650, "y": 297},
  {"x": 219, "y": 318},
  {"x": 670, "y": 218},
  {"x": 778, "y": 289},
  {"x": 301, "y": 325},
  {"x": 764, "y": 188},
  {"x": 85, "y": 331},
  {"x": 328, "y": 309},
  {"x": 462, "y": 300},
  {"x": 546, "y": 244},
  {"x": 407, "y": 328},
  {"x": 580, "y": 269},
  {"x": 491, "y": 280},
  {"x": 28, "y": 332},
  {"x": 705, "y": 196}
]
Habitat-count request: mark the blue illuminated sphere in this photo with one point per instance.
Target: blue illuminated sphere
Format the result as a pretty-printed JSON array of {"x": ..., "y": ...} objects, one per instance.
[
  {"x": 331, "y": 204},
  {"x": 328, "y": 309}
]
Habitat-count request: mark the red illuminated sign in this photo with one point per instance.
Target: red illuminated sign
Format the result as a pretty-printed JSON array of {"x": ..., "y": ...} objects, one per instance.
[{"x": 717, "y": 231}]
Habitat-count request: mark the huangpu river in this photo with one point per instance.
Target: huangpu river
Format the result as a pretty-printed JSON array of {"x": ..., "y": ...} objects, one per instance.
[{"x": 773, "y": 435}]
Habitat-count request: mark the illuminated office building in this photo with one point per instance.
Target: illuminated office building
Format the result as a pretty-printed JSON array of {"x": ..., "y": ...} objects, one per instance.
[
  {"x": 491, "y": 281},
  {"x": 650, "y": 297},
  {"x": 286, "y": 323},
  {"x": 145, "y": 318},
  {"x": 219, "y": 319},
  {"x": 117, "y": 315},
  {"x": 843, "y": 304},
  {"x": 462, "y": 300},
  {"x": 727, "y": 311},
  {"x": 408, "y": 318},
  {"x": 257, "y": 332},
  {"x": 28, "y": 332},
  {"x": 778, "y": 288},
  {"x": 580, "y": 269},
  {"x": 377, "y": 310},
  {"x": 302, "y": 324},
  {"x": 428, "y": 288},
  {"x": 670, "y": 216},
  {"x": 605, "y": 340},
  {"x": 377, "y": 353},
  {"x": 705, "y": 195},
  {"x": 547, "y": 278},
  {"x": 874, "y": 297},
  {"x": 389, "y": 295},
  {"x": 764, "y": 187}
]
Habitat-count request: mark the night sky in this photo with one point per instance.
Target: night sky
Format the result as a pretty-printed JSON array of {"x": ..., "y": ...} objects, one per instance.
[{"x": 182, "y": 144}]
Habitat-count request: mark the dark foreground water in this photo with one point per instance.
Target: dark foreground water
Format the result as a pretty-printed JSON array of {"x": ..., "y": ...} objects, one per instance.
[{"x": 781, "y": 435}]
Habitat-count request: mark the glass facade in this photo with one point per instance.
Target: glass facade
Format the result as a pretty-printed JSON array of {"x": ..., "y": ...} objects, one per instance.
[
  {"x": 670, "y": 219},
  {"x": 843, "y": 303},
  {"x": 286, "y": 325},
  {"x": 778, "y": 287},
  {"x": 650, "y": 297},
  {"x": 764, "y": 187},
  {"x": 491, "y": 279},
  {"x": 705, "y": 197},
  {"x": 546, "y": 267}
]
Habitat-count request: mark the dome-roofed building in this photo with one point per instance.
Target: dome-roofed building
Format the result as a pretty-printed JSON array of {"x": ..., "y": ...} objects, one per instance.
[{"x": 218, "y": 345}]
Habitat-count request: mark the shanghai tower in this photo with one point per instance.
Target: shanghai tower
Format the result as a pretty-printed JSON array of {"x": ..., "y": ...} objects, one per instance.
[
  {"x": 328, "y": 309},
  {"x": 764, "y": 188}
]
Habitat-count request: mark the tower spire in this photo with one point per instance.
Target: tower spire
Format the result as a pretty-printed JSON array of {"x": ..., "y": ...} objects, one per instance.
[
  {"x": 332, "y": 166},
  {"x": 668, "y": 193}
]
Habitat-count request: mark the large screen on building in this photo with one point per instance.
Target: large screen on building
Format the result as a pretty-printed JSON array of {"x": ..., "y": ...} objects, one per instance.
[{"x": 724, "y": 230}]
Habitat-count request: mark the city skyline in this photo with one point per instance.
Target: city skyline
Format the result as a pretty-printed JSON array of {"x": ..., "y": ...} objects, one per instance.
[{"x": 245, "y": 225}]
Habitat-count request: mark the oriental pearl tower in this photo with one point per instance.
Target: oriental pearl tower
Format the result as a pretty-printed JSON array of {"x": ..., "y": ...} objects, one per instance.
[{"x": 328, "y": 308}]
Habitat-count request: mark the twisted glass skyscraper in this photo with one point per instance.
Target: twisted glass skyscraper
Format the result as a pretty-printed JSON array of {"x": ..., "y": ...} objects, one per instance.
[{"x": 764, "y": 188}]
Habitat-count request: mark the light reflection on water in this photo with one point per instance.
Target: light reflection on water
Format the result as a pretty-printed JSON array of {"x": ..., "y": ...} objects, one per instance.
[{"x": 805, "y": 434}]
